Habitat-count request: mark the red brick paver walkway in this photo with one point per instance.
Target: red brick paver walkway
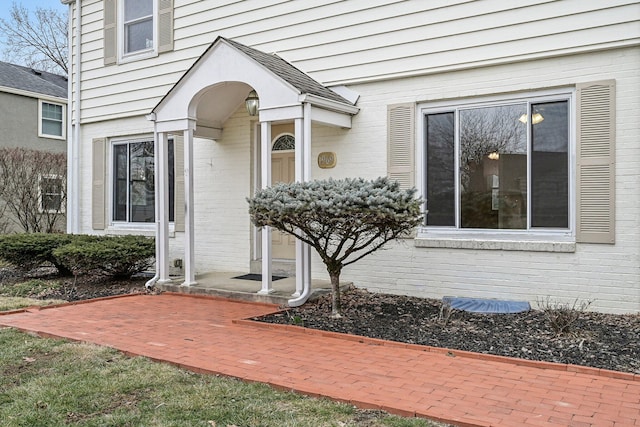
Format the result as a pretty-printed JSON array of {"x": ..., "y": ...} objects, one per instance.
[{"x": 202, "y": 334}]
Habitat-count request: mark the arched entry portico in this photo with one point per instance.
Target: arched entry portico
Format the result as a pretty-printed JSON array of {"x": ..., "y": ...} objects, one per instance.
[{"x": 199, "y": 105}]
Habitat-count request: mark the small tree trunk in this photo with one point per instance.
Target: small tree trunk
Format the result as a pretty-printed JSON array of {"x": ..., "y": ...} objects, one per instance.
[{"x": 335, "y": 295}]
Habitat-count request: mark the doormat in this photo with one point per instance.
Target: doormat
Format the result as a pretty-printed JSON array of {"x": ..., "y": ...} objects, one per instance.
[{"x": 256, "y": 277}]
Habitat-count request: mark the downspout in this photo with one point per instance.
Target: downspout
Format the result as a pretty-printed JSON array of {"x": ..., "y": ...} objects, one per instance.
[
  {"x": 156, "y": 173},
  {"x": 151, "y": 282},
  {"x": 73, "y": 129},
  {"x": 306, "y": 174},
  {"x": 306, "y": 288}
]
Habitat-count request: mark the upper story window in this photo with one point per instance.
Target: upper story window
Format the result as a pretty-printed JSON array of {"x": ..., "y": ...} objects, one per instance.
[
  {"x": 136, "y": 29},
  {"x": 499, "y": 166},
  {"x": 51, "y": 123},
  {"x": 138, "y": 25}
]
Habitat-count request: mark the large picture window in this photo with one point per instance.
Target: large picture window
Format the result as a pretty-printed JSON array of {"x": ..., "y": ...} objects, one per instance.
[
  {"x": 499, "y": 166},
  {"x": 134, "y": 184}
]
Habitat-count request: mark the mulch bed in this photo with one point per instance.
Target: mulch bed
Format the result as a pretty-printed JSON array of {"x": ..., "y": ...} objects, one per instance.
[
  {"x": 72, "y": 289},
  {"x": 597, "y": 340}
]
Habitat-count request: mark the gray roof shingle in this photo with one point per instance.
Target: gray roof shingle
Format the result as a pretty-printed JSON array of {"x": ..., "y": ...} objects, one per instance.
[
  {"x": 27, "y": 79},
  {"x": 288, "y": 73}
]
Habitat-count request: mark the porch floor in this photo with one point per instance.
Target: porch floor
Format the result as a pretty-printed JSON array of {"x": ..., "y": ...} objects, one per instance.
[{"x": 223, "y": 284}]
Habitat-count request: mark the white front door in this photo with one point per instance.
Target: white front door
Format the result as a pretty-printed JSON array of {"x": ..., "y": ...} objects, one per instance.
[{"x": 283, "y": 245}]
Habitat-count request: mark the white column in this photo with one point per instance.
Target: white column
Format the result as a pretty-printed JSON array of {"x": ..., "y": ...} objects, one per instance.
[
  {"x": 189, "y": 247},
  {"x": 303, "y": 174},
  {"x": 265, "y": 163},
  {"x": 162, "y": 207}
]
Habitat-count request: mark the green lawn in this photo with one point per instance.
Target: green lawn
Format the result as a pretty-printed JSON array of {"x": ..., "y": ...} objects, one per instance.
[
  {"x": 20, "y": 295},
  {"x": 14, "y": 303},
  {"x": 46, "y": 382}
]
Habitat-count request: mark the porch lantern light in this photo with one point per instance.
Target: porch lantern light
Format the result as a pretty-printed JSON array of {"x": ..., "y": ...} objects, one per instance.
[{"x": 252, "y": 103}]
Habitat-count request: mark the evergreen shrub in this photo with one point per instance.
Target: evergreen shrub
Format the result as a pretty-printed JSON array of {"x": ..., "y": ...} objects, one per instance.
[
  {"x": 31, "y": 250},
  {"x": 117, "y": 256}
]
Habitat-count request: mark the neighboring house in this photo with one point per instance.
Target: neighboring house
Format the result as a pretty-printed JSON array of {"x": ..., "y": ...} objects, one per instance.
[
  {"x": 33, "y": 105},
  {"x": 517, "y": 122}
]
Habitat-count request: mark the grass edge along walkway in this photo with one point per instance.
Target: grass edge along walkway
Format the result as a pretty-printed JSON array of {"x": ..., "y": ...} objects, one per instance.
[{"x": 54, "y": 382}]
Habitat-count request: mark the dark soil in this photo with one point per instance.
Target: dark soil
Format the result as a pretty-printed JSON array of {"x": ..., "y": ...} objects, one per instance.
[
  {"x": 595, "y": 339},
  {"x": 70, "y": 288}
]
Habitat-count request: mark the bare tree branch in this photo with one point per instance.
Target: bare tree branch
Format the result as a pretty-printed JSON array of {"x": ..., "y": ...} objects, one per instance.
[
  {"x": 38, "y": 41},
  {"x": 32, "y": 188}
]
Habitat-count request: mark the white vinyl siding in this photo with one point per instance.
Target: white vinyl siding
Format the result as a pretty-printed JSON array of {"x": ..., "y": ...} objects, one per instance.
[{"x": 356, "y": 41}]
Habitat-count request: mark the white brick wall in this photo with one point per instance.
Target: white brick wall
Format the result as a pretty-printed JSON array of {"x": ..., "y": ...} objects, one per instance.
[{"x": 608, "y": 274}]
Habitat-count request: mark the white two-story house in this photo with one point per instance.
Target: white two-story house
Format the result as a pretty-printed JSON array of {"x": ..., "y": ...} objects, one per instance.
[{"x": 517, "y": 122}]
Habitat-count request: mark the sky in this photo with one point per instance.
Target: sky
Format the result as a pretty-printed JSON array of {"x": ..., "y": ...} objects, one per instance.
[
  {"x": 5, "y": 6},
  {"x": 31, "y": 5}
]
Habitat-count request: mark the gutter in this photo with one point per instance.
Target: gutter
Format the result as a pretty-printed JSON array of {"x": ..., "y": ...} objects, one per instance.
[{"x": 57, "y": 99}]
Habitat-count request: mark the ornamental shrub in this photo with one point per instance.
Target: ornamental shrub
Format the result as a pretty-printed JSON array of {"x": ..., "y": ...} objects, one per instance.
[
  {"x": 117, "y": 256},
  {"x": 32, "y": 250},
  {"x": 343, "y": 220}
]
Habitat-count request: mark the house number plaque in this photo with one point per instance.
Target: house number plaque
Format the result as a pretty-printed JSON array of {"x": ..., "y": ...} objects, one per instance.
[{"x": 327, "y": 160}]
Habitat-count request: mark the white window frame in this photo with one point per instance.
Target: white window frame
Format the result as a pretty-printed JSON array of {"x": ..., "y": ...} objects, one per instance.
[
  {"x": 116, "y": 227},
  {"x": 41, "y": 193},
  {"x": 441, "y": 236},
  {"x": 111, "y": 174},
  {"x": 41, "y": 118},
  {"x": 151, "y": 52}
]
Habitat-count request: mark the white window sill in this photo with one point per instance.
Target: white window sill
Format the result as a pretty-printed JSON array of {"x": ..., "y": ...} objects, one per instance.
[
  {"x": 137, "y": 56},
  {"x": 58, "y": 137},
  {"x": 506, "y": 243},
  {"x": 148, "y": 230}
]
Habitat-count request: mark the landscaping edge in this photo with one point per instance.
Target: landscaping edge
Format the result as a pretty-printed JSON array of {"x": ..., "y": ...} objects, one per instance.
[{"x": 446, "y": 351}]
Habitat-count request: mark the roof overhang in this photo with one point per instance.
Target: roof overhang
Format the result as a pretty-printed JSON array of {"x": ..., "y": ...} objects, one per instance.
[
  {"x": 31, "y": 94},
  {"x": 219, "y": 81}
]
